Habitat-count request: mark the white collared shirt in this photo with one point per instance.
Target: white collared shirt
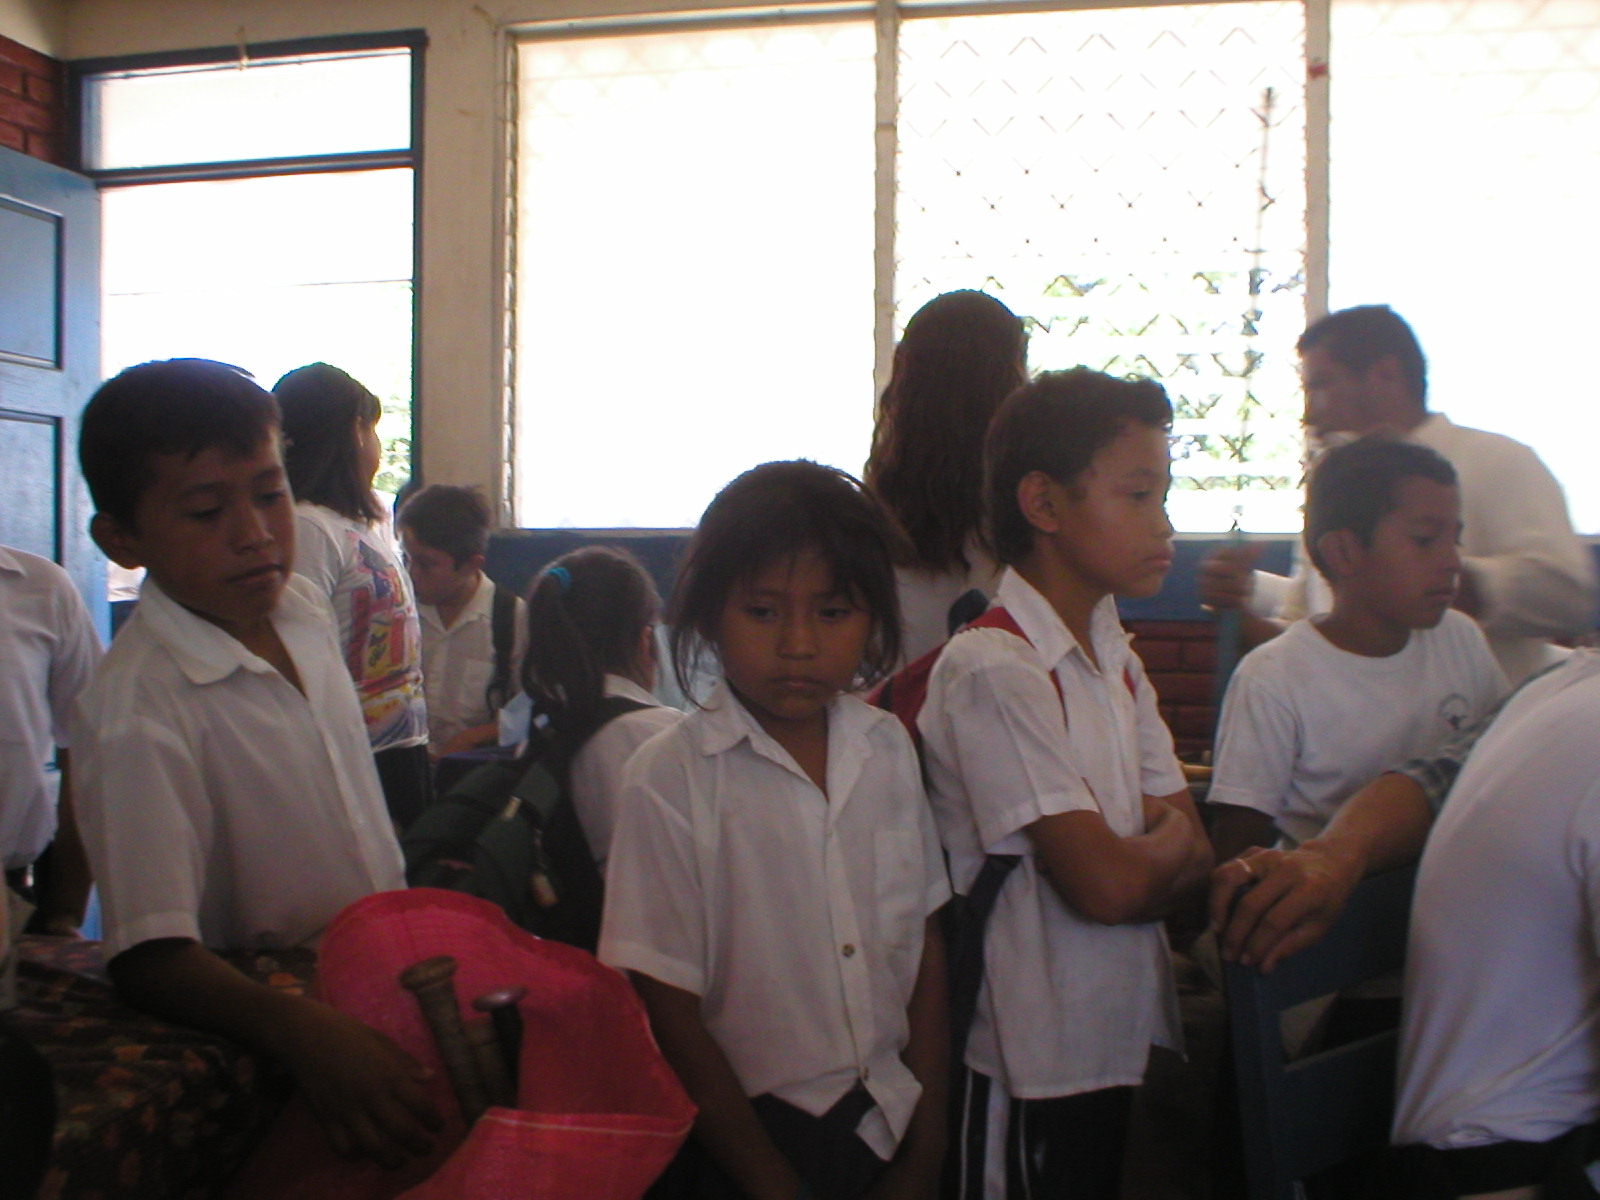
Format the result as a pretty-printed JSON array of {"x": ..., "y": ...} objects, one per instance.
[
  {"x": 458, "y": 662},
  {"x": 1067, "y": 1005},
  {"x": 216, "y": 801},
  {"x": 796, "y": 917},
  {"x": 596, "y": 775},
  {"x": 48, "y": 649}
]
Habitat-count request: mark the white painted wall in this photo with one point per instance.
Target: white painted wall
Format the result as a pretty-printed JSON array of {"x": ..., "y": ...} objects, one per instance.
[
  {"x": 461, "y": 404},
  {"x": 38, "y": 24}
]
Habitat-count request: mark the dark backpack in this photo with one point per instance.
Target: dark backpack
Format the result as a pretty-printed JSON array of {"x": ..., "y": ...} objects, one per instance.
[
  {"x": 503, "y": 637},
  {"x": 507, "y": 832}
]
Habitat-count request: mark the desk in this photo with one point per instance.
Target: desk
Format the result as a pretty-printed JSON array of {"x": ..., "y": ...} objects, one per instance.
[{"x": 144, "y": 1109}]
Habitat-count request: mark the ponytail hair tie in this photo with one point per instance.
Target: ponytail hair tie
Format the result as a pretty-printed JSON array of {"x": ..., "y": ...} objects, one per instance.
[{"x": 562, "y": 576}]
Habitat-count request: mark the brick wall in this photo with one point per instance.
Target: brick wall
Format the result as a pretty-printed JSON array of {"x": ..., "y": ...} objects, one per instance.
[
  {"x": 33, "y": 103},
  {"x": 1179, "y": 657}
]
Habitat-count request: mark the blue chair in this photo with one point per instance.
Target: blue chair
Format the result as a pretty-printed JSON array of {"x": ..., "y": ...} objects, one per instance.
[{"x": 1304, "y": 1116}]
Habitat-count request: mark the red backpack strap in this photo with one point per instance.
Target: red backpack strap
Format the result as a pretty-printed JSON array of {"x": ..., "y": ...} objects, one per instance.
[{"x": 998, "y": 618}]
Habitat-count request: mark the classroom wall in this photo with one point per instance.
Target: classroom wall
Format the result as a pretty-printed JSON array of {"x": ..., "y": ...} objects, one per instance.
[
  {"x": 38, "y": 24},
  {"x": 33, "y": 109},
  {"x": 459, "y": 388}
]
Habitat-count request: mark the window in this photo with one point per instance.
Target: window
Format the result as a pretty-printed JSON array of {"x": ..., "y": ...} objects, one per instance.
[
  {"x": 260, "y": 210},
  {"x": 691, "y": 280}
]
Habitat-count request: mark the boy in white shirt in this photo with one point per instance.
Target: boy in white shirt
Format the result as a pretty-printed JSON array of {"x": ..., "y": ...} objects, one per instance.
[
  {"x": 227, "y": 795},
  {"x": 1049, "y": 746},
  {"x": 466, "y": 620},
  {"x": 1388, "y": 674}
]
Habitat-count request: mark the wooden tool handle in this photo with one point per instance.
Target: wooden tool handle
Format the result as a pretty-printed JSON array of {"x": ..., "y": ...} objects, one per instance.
[{"x": 432, "y": 982}]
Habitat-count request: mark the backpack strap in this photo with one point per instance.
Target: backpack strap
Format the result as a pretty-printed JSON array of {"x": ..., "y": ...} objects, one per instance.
[{"x": 503, "y": 636}]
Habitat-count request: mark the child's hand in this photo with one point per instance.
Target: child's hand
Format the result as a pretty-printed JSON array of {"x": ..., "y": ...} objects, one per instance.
[{"x": 366, "y": 1092}]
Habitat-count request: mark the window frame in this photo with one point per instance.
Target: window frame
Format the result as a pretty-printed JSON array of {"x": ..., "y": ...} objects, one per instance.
[{"x": 415, "y": 41}]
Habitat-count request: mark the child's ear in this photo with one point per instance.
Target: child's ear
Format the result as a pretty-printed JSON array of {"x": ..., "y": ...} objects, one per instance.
[
  {"x": 475, "y": 563},
  {"x": 115, "y": 540},
  {"x": 1342, "y": 550},
  {"x": 1039, "y": 498}
]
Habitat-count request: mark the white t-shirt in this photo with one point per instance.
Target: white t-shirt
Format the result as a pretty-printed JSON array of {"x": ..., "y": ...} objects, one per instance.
[
  {"x": 458, "y": 663},
  {"x": 926, "y": 597},
  {"x": 596, "y": 775},
  {"x": 356, "y": 567},
  {"x": 1067, "y": 1005},
  {"x": 1501, "y": 1033},
  {"x": 48, "y": 650},
  {"x": 1304, "y": 723},
  {"x": 216, "y": 801},
  {"x": 1534, "y": 576},
  {"x": 796, "y": 917}
]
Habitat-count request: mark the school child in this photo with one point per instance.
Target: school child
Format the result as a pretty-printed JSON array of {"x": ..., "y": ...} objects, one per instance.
[
  {"x": 961, "y": 355},
  {"x": 775, "y": 869},
  {"x": 226, "y": 791},
  {"x": 472, "y": 631},
  {"x": 331, "y": 451},
  {"x": 1048, "y": 746},
  {"x": 590, "y": 666},
  {"x": 1388, "y": 674},
  {"x": 48, "y": 649}
]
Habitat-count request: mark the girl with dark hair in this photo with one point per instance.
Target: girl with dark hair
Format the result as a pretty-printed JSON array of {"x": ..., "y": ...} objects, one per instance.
[
  {"x": 345, "y": 547},
  {"x": 775, "y": 865},
  {"x": 589, "y": 669},
  {"x": 961, "y": 354}
]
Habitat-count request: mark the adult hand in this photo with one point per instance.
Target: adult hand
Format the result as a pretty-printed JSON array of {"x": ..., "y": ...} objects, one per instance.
[
  {"x": 1268, "y": 904},
  {"x": 1227, "y": 576}
]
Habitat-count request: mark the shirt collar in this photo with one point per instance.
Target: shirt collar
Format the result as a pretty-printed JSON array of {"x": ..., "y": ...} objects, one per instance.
[
  {"x": 8, "y": 562},
  {"x": 621, "y": 685},
  {"x": 1049, "y": 634},
  {"x": 479, "y": 607},
  {"x": 724, "y": 722},
  {"x": 204, "y": 652}
]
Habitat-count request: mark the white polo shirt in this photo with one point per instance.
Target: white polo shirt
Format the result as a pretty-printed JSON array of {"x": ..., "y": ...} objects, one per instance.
[
  {"x": 48, "y": 650},
  {"x": 796, "y": 917},
  {"x": 596, "y": 775},
  {"x": 1067, "y": 1005},
  {"x": 1305, "y": 724},
  {"x": 1501, "y": 1032},
  {"x": 458, "y": 662},
  {"x": 216, "y": 801}
]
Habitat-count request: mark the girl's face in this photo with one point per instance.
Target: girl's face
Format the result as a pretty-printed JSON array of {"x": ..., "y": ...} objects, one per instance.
[
  {"x": 790, "y": 641},
  {"x": 369, "y": 451}
]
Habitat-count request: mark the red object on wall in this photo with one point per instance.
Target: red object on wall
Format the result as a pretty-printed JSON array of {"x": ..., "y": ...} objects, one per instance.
[{"x": 33, "y": 104}]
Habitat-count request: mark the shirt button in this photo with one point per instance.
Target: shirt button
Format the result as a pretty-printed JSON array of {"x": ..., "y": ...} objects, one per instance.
[{"x": 848, "y": 951}]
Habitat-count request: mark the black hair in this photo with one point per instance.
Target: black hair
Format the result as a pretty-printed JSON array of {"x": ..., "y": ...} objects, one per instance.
[
  {"x": 179, "y": 406},
  {"x": 1356, "y": 485},
  {"x": 1057, "y": 424},
  {"x": 775, "y": 512},
  {"x": 961, "y": 355},
  {"x": 453, "y": 520},
  {"x": 322, "y": 409},
  {"x": 1357, "y": 338},
  {"x": 585, "y": 613}
]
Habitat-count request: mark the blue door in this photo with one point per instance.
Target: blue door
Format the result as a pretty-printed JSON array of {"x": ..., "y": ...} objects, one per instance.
[{"x": 49, "y": 363}]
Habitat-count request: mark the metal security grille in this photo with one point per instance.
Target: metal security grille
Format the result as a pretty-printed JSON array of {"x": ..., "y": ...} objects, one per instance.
[{"x": 1131, "y": 181}]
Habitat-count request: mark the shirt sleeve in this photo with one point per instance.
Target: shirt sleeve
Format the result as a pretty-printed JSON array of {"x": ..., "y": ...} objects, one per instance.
[
  {"x": 655, "y": 919},
  {"x": 317, "y": 554},
  {"x": 1258, "y": 743},
  {"x": 1004, "y": 725},
  {"x": 1533, "y": 575},
  {"x": 146, "y": 823},
  {"x": 77, "y": 652}
]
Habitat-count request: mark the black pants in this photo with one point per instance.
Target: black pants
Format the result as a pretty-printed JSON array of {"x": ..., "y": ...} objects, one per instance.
[
  {"x": 407, "y": 779},
  {"x": 824, "y": 1151},
  {"x": 1064, "y": 1148}
]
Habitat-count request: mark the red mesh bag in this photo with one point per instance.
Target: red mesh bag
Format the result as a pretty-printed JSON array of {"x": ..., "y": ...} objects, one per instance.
[{"x": 599, "y": 1114}]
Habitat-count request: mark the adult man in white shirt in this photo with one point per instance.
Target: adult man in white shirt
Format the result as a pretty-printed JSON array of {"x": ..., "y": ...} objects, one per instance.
[{"x": 1526, "y": 577}]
